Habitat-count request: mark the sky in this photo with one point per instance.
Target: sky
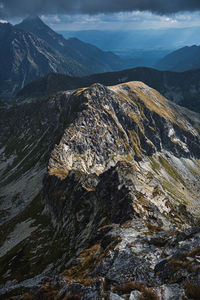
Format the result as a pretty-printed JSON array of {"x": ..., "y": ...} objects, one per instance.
[{"x": 105, "y": 14}]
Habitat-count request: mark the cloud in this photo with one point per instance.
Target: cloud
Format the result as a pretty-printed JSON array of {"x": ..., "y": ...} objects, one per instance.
[
  {"x": 15, "y": 8},
  {"x": 121, "y": 21}
]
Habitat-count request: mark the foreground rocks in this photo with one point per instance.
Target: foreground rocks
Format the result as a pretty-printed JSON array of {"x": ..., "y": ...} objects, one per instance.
[{"x": 139, "y": 270}]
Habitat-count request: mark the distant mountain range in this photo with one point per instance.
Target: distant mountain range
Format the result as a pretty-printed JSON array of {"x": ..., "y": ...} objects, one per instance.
[
  {"x": 182, "y": 88},
  {"x": 186, "y": 58},
  {"x": 31, "y": 50},
  {"x": 148, "y": 47},
  {"x": 115, "y": 40}
]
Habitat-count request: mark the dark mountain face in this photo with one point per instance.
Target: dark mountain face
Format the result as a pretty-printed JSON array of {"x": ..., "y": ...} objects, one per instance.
[
  {"x": 182, "y": 88},
  {"x": 87, "y": 55},
  {"x": 184, "y": 59},
  {"x": 35, "y": 25},
  {"x": 24, "y": 57}
]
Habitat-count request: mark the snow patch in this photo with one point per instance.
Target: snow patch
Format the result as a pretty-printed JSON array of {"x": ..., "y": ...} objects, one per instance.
[{"x": 3, "y": 22}]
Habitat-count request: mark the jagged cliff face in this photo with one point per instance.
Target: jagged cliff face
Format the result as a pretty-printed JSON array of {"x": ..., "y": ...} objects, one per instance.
[
  {"x": 131, "y": 123},
  {"x": 122, "y": 197}
]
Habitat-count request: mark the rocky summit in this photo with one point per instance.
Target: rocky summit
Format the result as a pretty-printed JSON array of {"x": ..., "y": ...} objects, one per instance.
[{"x": 116, "y": 213}]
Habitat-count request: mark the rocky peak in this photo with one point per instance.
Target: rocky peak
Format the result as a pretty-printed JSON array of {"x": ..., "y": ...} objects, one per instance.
[
  {"x": 125, "y": 121},
  {"x": 32, "y": 20},
  {"x": 36, "y": 26},
  {"x": 33, "y": 17},
  {"x": 125, "y": 142}
]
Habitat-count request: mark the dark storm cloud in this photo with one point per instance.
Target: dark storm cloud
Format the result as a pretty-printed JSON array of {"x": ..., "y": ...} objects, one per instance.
[{"x": 15, "y": 8}]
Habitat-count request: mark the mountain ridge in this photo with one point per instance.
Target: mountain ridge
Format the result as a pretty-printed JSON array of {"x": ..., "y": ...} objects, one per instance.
[
  {"x": 183, "y": 59},
  {"x": 182, "y": 88},
  {"x": 118, "y": 204}
]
